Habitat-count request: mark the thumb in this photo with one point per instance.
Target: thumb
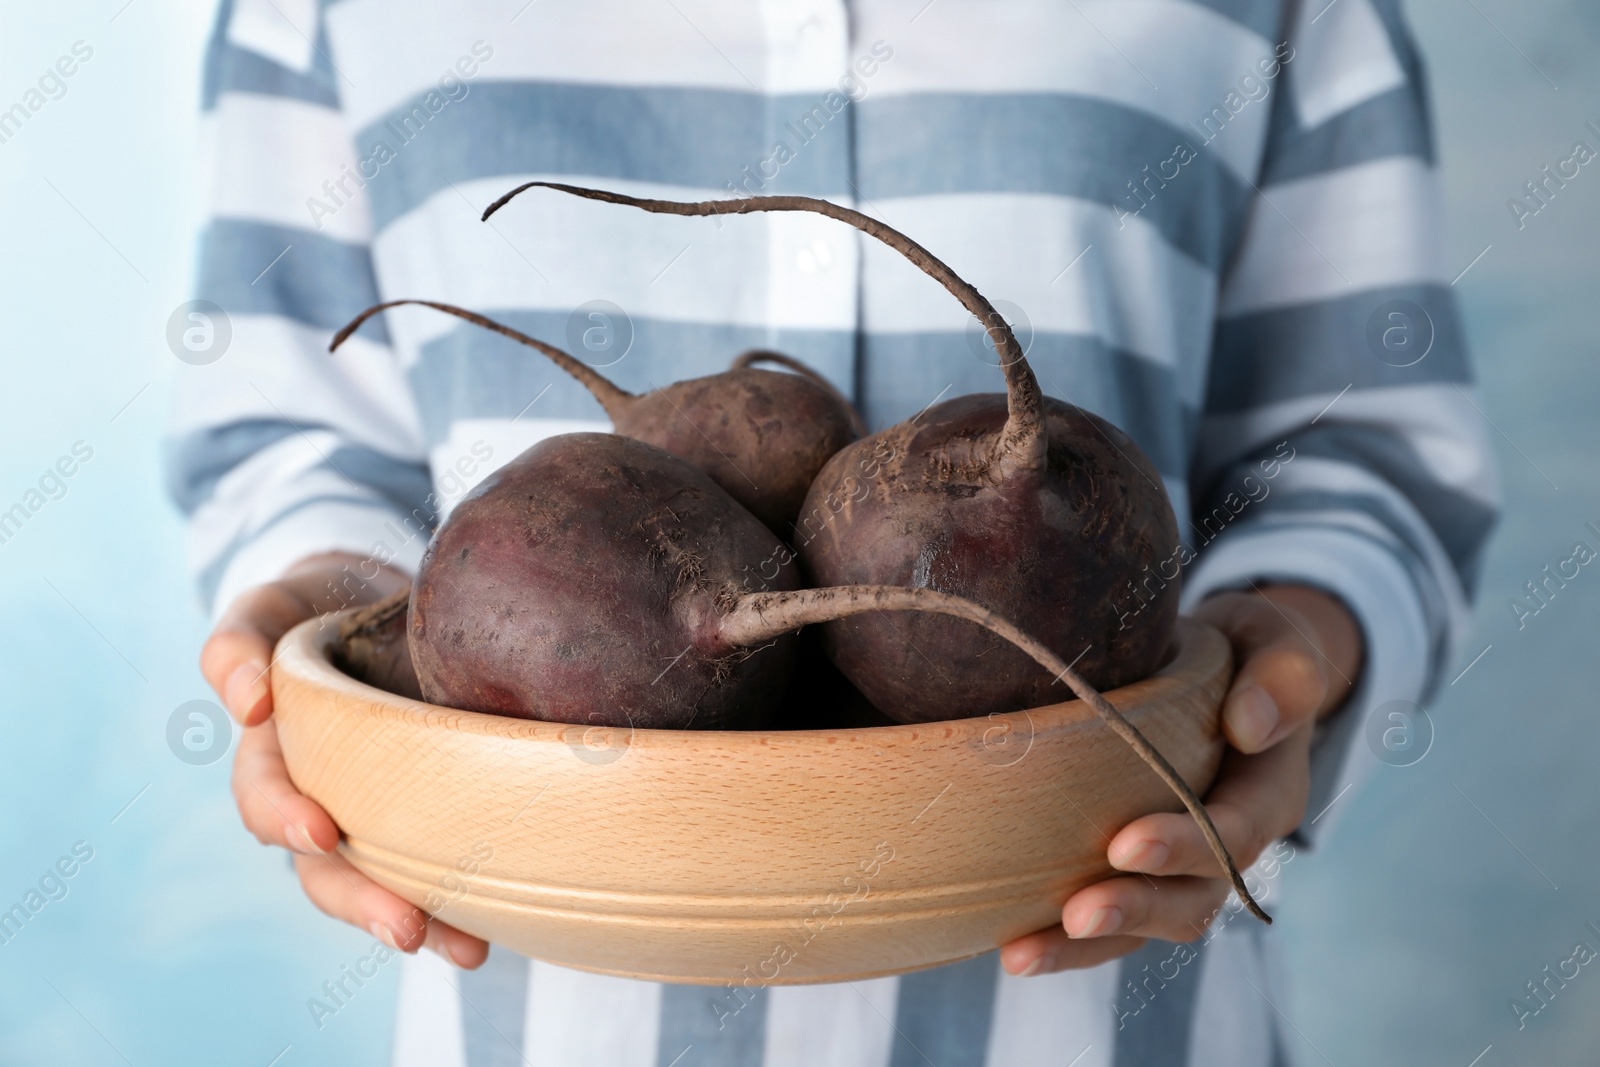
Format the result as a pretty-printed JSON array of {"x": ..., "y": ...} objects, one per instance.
[
  {"x": 1282, "y": 680},
  {"x": 1278, "y": 690},
  {"x": 236, "y": 658},
  {"x": 235, "y": 664}
]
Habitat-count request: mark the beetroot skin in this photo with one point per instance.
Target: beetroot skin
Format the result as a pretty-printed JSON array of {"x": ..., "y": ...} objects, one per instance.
[
  {"x": 1049, "y": 550},
  {"x": 762, "y": 435},
  {"x": 583, "y": 583}
]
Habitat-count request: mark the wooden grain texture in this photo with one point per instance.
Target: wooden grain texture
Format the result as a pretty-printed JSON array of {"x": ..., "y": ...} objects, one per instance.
[{"x": 712, "y": 857}]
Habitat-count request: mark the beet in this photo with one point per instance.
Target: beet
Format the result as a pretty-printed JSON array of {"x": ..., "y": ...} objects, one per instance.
[
  {"x": 767, "y": 355},
  {"x": 597, "y": 580},
  {"x": 1037, "y": 509},
  {"x": 761, "y": 435},
  {"x": 582, "y": 582},
  {"x": 372, "y": 646},
  {"x": 1028, "y": 505},
  {"x": 1054, "y": 548}
]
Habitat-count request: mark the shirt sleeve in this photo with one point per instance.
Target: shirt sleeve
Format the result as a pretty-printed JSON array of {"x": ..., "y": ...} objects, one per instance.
[
  {"x": 1341, "y": 445},
  {"x": 276, "y": 449}
]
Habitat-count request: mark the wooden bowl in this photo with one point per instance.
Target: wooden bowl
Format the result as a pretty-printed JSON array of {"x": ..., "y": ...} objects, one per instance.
[{"x": 713, "y": 857}]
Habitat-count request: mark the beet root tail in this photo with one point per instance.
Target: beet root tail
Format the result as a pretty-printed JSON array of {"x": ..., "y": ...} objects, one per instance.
[
  {"x": 1023, "y": 444},
  {"x": 758, "y": 617},
  {"x": 611, "y": 397}
]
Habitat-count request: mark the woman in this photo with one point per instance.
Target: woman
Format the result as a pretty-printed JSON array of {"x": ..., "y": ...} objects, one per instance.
[{"x": 1212, "y": 222}]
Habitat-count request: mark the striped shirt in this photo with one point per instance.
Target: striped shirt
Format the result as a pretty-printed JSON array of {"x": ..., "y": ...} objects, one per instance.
[{"x": 1214, "y": 222}]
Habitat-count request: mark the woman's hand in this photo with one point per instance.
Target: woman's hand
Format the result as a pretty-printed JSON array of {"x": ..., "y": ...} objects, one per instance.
[
  {"x": 235, "y": 662},
  {"x": 1299, "y": 651}
]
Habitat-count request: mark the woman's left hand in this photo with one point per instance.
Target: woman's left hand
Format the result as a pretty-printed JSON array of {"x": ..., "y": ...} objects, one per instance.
[{"x": 1299, "y": 651}]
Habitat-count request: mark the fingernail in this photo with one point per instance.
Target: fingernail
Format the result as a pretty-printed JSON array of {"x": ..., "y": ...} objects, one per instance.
[
  {"x": 1040, "y": 964},
  {"x": 442, "y": 949},
  {"x": 384, "y": 934},
  {"x": 305, "y": 837},
  {"x": 1252, "y": 715},
  {"x": 1145, "y": 856},
  {"x": 244, "y": 689},
  {"x": 1103, "y": 921}
]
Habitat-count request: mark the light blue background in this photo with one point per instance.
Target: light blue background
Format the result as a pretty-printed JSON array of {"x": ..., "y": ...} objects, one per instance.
[{"x": 1446, "y": 886}]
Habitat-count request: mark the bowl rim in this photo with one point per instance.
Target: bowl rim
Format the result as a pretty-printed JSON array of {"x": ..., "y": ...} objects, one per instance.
[{"x": 304, "y": 653}]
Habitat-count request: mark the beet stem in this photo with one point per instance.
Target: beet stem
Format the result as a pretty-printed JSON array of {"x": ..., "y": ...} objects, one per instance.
[
  {"x": 758, "y": 617},
  {"x": 612, "y": 397},
  {"x": 766, "y": 355},
  {"x": 1023, "y": 443},
  {"x": 370, "y": 619}
]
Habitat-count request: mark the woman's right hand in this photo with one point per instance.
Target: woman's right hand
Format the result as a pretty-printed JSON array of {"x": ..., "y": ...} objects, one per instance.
[{"x": 236, "y": 663}]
